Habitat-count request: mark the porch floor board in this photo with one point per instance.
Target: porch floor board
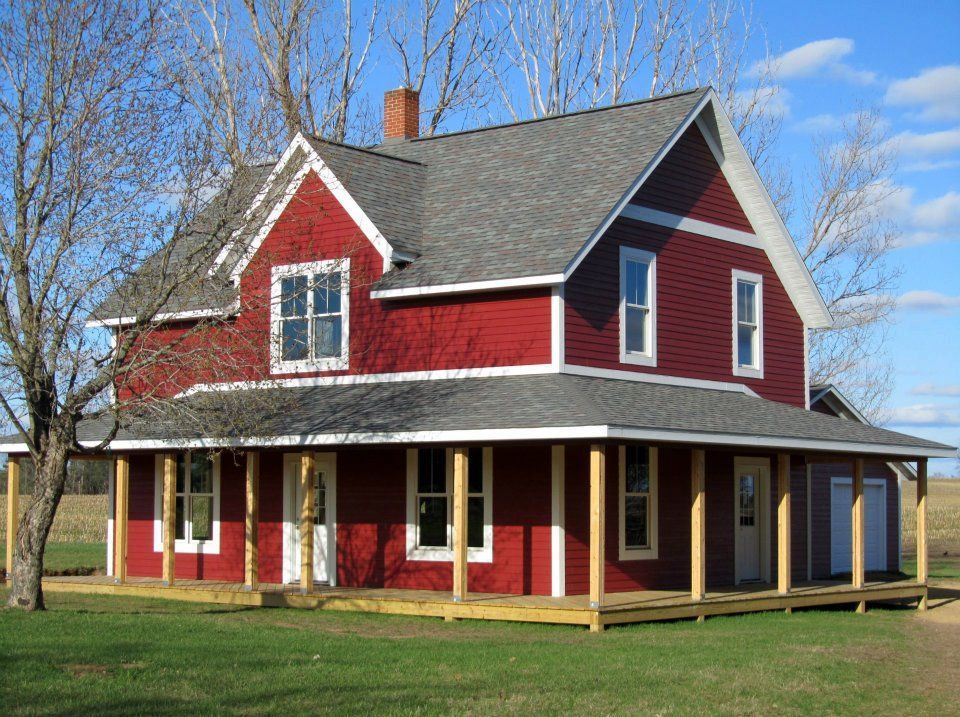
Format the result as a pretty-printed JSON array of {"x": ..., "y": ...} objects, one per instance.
[{"x": 618, "y": 608}]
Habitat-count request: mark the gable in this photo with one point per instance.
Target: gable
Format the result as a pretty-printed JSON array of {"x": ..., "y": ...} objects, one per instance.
[{"x": 689, "y": 183}]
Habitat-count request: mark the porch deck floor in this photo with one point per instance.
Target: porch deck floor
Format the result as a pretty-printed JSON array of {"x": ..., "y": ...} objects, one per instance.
[{"x": 618, "y": 607}]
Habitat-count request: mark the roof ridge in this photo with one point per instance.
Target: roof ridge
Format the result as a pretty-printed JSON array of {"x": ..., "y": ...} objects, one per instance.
[
  {"x": 364, "y": 150},
  {"x": 588, "y": 110}
]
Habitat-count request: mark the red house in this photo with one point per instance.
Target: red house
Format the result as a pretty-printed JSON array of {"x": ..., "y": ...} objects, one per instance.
[{"x": 553, "y": 370}]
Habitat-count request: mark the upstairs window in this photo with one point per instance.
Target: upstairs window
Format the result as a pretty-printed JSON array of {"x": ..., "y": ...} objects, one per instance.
[
  {"x": 638, "y": 502},
  {"x": 309, "y": 316},
  {"x": 638, "y": 320},
  {"x": 747, "y": 324}
]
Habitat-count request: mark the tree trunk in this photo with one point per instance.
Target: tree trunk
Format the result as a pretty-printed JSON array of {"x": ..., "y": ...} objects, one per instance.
[{"x": 50, "y": 478}]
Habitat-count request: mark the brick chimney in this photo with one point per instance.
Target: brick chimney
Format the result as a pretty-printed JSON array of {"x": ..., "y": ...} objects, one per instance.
[{"x": 401, "y": 114}]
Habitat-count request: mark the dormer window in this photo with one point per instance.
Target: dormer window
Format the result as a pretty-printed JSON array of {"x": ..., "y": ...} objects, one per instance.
[
  {"x": 309, "y": 316},
  {"x": 747, "y": 324},
  {"x": 638, "y": 311}
]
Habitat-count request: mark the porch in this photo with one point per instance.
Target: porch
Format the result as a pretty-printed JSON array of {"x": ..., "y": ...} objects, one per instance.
[{"x": 618, "y": 608}]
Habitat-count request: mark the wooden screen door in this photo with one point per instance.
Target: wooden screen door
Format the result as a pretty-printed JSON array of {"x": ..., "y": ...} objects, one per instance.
[{"x": 751, "y": 481}]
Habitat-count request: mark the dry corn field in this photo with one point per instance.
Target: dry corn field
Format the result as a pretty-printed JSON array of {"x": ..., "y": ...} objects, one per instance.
[
  {"x": 943, "y": 516},
  {"x": 80, "y": 519}
]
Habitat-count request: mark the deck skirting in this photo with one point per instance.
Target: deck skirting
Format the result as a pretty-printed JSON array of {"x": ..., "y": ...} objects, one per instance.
[{"x": 620, "y": 608}]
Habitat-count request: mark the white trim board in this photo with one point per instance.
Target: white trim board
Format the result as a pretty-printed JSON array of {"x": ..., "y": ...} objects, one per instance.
[
  {"x": 691, "y": 226},
  {"x": 546, "y": 433},
  {"x": 468, "y": 287},
  {"x": 558, "y": 534},
  {"x": 641, "y": 377}
]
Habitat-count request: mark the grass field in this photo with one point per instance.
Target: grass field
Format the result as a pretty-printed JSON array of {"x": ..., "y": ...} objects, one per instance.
[
  {"x": 943, "y": 528},
  {"x": 104, "y": 655}
]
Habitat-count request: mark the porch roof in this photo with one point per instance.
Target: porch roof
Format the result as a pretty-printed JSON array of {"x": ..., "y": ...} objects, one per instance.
[{"x": 549, "y": 407}]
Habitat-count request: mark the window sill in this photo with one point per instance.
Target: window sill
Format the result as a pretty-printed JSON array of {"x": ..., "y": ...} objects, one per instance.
[
  {"x": 336, "y": 364},
  {"x": 627, "y": 554},
  {"x": 202, "y": 547},
  {"x": 638, "y": 359},
  {"x": 747, "y": 372},
  {"x": 445, "y": 555}
]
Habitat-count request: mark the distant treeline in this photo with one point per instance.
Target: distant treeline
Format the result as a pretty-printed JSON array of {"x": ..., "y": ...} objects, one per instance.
[{"x": 83, "y": 477}]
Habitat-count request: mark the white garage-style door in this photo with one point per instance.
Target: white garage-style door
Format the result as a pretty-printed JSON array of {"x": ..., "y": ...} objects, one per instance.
[{"x": 841, "y": 524}]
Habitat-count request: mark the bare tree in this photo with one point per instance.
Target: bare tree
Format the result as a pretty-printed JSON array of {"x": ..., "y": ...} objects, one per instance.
[
  {"x": 99, "y": 179},
  {"x": 846, "y": 244},
  {"x": 439, "y": 52}
]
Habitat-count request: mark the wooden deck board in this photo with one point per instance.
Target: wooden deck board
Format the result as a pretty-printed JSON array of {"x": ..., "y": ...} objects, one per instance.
[{"x": 619, "y": 607}]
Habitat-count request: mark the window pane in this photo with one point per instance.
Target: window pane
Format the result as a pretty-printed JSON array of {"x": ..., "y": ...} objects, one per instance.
[
  {"x": 635, "y": 521},
  {"x": 747, "y": 500},
  {"x": 201, "y": 516},
  {"x": 319, "y": 499},
  {"x": 475, "y": 471},
  {"x": 746, "y": 302},
  {"x": 631, "y": 283},
  {"x": 643, "y": 271},
  {"x": 181, "y": 519},
  {"x": 294, "y": 340},
  {"x": 201, "y": 473},
  {"x": 326, "y": 293},
  {"x": 745, "y": 345},
  {"x": 636, "y": 330},
  {"x": 181, "y": 472},
  {"x": 333, "y": 297},
  {"x": 293, "y": 296},
  {"x": 475, "y": 522},
  {"x": 326, "y": 336},
  {"x": 432, "y": 517},
  {"x": 432, "y": 471},
  {"x": 637, "y": 469}
]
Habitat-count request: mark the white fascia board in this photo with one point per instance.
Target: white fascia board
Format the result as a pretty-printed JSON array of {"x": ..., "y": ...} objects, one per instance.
[
  {"x": 166, "y": 316},
  {"x": 547, "y": 433},
  {"x": 657, "y": 378},
  {"x": 467, "y": 287},
  {"x": 757, "y": 204},
  {"x": 692, "y": 226}
]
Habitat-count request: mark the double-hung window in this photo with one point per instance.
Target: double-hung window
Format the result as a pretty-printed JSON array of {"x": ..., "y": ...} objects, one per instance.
[
  {"x": 197, "y": 518},
  {"x": 747, "y": 324},
  {"x": 430, "y": 516},
  {"x": 309, "y": 316},
  {"x": 638, "y": 502},
  {"x": 638, "y": 313}
]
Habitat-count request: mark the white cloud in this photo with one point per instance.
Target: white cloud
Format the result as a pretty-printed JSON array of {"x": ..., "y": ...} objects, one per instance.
[
  {"x": 930, "y": 389},
  {"x": 935, "y": 92},
  {"x": 820, "y": 57},
  {"x": 929, "y": 301},
  {"x": 819, "y": 123},
  {"x": 925, "y": 414},
  {"x": 774, "y": 99},
  {"x": 927, "y": 145},
  {"x": 934, "y": 220}
]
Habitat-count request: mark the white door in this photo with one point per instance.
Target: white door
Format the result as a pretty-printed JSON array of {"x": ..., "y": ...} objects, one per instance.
[
  {"x": 841, "y": 524},
  {"x": 324, "y": 518},
  {"x": 751, "y": 480}
]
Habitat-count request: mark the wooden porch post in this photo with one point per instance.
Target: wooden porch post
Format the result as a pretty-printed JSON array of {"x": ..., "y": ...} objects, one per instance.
[
  {"x": 306, "y": 521},
  {"x": 460, "y": 468},
  {"x": 783, "y": 524},
  {"x": 598, "y": 466},
  {"x": 922, "y": 549},
  {"x": 169, "y": 517},
  {"x": 120, "y": 510},
  {"x": 698, "y": 524},
  {"x": 13, "y": 509},
  {"x": 858, "y": 533},
  {"x": 251, "y": 558}
]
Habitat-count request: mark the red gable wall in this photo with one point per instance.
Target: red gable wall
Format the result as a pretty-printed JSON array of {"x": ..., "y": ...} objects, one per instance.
[{"x": 694, "y": 289}]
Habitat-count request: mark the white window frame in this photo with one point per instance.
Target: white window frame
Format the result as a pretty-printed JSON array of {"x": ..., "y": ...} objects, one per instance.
[
  {"x": 277, "y": 274},
  {"x": 185, "y": 545},
  {"x": 648, "y": 357},
  {"x": 755, "y": 371},
  {"x": 439, "y": 554},
  {"x": 650, "y": 552}
]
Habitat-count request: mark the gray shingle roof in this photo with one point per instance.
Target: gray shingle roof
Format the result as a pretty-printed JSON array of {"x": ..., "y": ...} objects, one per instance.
[{"x": 383, "y": 411}]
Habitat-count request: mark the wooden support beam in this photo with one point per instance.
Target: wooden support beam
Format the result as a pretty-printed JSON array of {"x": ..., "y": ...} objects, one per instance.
[
  {"x": 251, "y": 554},
  {"x": 13, "y": 510},
  {"x": 858, "y": 526},
  {"x": 698, "y": 524},
  {"x": 307, "y": 469},
  {"x": 460, "y": 468},
  {"x": 783, "y": 523},
  {"x": 121, "y": 492},
  {"x": 169, "y": 517},
  {"x": 598, "y": 469},
  {"x": 922, "y": 547}
]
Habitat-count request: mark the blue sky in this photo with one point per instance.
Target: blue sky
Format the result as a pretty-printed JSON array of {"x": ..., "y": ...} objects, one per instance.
[{"x": 905, "y": 60}]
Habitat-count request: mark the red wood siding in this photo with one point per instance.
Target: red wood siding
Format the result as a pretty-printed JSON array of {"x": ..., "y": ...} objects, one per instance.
[
  {"x": 689, "y": 182},
  {"x": 694, "y": 310},
  {"x": 496, "y": 329}
]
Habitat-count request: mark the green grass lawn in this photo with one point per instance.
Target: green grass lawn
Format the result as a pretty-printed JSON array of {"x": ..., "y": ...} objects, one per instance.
[
  {"x": 939, "y": 568},
  {"x": 65, "y": 556},
  {"x": 108, "y": 655}
]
